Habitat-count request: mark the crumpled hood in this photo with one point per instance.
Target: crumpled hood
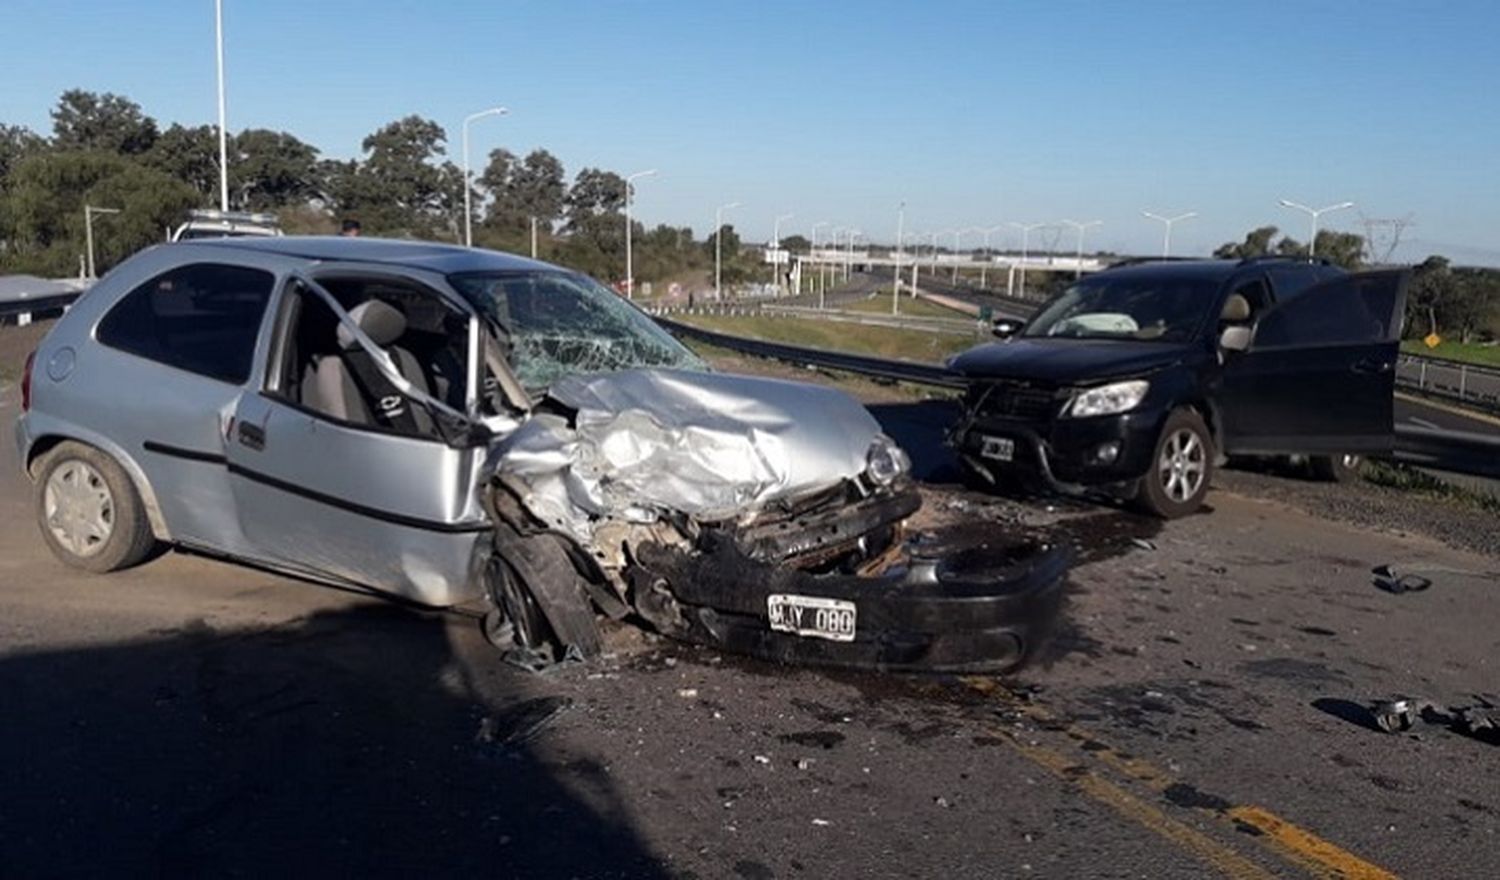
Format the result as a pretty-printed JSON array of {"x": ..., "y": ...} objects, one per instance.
[
  {"x": 710, "y": 445},
  {"x": 1066, "y": 361}
]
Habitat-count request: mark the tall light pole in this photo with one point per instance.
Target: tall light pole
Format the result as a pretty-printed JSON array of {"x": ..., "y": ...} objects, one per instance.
[
  {"x": 223, "y": 137},
  {"x": 776, "y": 250},
  {"x": 719, "y": 248},
  {"x": 1080, "y": 227},
  {"x": 88, "y": 230},
  {"x": 1166, "y": 241},
  {"x": 468, "y": 209},
  {"x": 1025, "y": 247},
  {"x": 849, "y": 254},
  {"x": 984, "y": 267},
  {"x": 629, "y": 259},
  {"x": 896, "y": 268},
  {"x": 1312, "y": 213}
]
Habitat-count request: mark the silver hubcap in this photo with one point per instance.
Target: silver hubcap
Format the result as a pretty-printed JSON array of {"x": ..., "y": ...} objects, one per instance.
[
  {"x": 79, "y": 508},
  {"x": 1183, "y": 465}
]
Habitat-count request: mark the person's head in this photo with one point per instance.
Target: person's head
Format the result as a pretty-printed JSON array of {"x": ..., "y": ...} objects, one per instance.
[{"x": 350, "y": 228}]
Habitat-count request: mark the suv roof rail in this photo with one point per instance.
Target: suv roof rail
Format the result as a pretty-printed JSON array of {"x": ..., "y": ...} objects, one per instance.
[
  {"x": 1135, "y": 261},
  {"x": 1285, "y": 258}
]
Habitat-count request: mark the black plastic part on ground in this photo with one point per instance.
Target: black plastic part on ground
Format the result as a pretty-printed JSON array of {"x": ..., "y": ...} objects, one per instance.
[{"x": 954, "y": 607}]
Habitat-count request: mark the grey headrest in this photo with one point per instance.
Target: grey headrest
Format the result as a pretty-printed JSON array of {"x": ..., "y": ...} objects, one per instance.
[
  {"x": 1236, "y": 308},
  {"x": 381, "y": 322}
]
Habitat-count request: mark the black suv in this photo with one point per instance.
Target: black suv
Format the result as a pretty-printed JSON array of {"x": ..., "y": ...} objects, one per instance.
[{"x": 1140, "y": 379}]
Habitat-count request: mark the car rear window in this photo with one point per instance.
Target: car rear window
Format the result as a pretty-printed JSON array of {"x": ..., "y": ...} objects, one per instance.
[{"x": 202, "y": 318}]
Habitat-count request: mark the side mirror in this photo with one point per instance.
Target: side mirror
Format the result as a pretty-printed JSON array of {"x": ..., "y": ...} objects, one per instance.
[
  {"x": 1235, "y": 338},
  {"x": 1005, "y": 328}
]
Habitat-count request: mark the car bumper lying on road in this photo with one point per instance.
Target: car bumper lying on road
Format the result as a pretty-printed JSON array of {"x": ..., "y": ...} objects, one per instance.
[{"x": 949, "y": 604}]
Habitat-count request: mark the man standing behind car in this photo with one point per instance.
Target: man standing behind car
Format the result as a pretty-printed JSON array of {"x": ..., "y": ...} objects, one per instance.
[{"x": 350, "y": 228}]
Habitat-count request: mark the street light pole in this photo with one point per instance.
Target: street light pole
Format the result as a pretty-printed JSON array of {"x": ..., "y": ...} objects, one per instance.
[
  {"x": 223, "y": 137},
  {"x": 719, "y": 248},
  {"x": 776, "y": 250},
  {"x": 1080, "y": 227},
  {"x": 849, "y": 254},
  {"x": 1312, "y": 237},
  {"x": 985, "y": 266},
  {"x": 1166, "y": 241},
  {"x": 629, "y": 259},
  {"x": 88, "y": 231},
  {"x": 1025, "y": 247},
  {"x": 468, "y": 209},
  {"x": 896, "y": 268}
]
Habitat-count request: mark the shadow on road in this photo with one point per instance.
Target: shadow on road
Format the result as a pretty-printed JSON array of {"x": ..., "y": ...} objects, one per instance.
[{"x": 343, "y": 744}]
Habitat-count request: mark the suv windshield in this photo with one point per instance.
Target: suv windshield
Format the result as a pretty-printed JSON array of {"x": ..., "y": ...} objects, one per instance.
[
  {"x": 557, "y": 324},
  {"x": 1164, "y": 309}
]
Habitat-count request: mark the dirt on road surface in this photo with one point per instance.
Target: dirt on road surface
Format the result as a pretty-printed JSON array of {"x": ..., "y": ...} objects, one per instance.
[{"x": 1201, "y": 711}]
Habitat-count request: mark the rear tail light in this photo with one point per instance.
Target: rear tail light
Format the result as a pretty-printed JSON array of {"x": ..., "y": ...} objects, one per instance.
[{"x": 26, "y": 382}]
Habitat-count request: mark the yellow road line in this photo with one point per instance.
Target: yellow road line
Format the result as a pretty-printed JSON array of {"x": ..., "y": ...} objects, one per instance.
[
  {"x": 1223, "y": 859},
  {"x": 1292, "y": 843},
  {"x": 1449, "y": 408}
]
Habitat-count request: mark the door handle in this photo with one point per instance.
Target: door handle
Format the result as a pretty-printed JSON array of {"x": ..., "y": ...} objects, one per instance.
[
  {"x": 252, "y": 436},
  {"x": 1369, "y": 365}
]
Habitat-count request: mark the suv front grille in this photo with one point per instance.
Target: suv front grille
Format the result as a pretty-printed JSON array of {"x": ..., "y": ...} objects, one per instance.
[{"x": 1015, "y": 400}]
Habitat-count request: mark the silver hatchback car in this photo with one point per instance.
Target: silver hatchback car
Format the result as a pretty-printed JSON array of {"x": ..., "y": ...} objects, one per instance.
[{"x": 460, "y": 427}]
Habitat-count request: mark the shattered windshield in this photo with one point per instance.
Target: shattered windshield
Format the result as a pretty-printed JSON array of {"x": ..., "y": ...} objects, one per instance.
[
  {"x": 1163, "y": 309},
  {"x": 558, "y": 324}
]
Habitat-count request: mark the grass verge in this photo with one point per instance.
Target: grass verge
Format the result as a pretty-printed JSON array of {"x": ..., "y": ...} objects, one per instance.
[
  {"x": 1473, "y": 353},
  {"x": 886, "y": 342},
  {"x": 1405, "y": 478}
]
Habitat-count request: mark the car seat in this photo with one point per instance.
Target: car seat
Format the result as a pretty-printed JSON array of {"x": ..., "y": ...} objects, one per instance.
[{"x": 349, "y": 386}]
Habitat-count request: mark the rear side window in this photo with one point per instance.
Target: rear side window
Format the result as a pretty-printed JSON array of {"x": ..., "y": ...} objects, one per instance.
[
  {"x": 1349, "y": 310},
  {"x": 202, "y": 318}
]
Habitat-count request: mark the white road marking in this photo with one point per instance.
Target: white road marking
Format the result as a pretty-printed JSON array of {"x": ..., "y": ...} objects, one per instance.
[{"x": 1423, "y": 423}]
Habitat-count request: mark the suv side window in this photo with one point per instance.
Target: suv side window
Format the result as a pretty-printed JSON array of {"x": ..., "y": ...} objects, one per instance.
[
  {"x": 202, "y": 318},
  {"x": 1346, "y": 311}
]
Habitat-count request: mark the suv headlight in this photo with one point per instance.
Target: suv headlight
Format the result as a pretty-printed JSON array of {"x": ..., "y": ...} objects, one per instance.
[
  {"x": 1106, "y": 400},
  {"x": 886, "y": 462}
]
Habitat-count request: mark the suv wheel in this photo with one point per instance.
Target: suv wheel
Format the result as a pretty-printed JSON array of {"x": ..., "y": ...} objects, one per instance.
[
  {"x": 1180, "y": 468},
  {"x": 1344, "y": 468},
  {"x": 88, "y": 510}
]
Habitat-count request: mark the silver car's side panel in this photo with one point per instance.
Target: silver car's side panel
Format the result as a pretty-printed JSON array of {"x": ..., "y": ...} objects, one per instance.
[{"x": 397, "y": 513}]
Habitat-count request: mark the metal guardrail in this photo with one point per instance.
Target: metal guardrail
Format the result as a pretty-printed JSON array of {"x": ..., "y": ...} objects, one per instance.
[
  {"x": 24, "y": 310},
  {"x": 1459, "y": 452},
  {"x": 1470, "y": 384}
]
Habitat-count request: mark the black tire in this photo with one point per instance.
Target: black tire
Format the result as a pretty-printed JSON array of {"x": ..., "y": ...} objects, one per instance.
[
  {"x": 1182, "y": 466},
  {"x": 88, "y": 510},
  {"x": 1337, "y": 468}
]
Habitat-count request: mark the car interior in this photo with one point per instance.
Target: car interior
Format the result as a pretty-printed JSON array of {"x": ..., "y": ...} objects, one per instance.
[{"x": 323, "y": 368}]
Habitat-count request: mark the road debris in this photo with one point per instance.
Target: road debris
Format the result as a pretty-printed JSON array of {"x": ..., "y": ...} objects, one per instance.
[
  {"x": 521, "y": 723},
  {"x": 687, "y": 693},
  {"x": 1143, "y": 544},
  {"x": 1391, "y": 581},
  {"x": 1400, "y": 714}
]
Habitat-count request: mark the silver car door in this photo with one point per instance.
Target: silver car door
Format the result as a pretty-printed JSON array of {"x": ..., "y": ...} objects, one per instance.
[
  {"x": 390, "y": 510},
  {"x": 175, "y": 354}
]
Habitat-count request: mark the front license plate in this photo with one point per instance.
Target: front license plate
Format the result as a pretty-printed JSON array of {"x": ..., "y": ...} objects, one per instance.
[
  {"x": 811, "y": 616},
  {"x": 998, "y": 449}
]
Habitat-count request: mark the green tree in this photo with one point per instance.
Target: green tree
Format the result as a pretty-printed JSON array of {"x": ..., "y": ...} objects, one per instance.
[
  {"x": 16, "y": 142},
  {"x": 520, "y": 190},
  {"x": 190, "y": 155},
  {"x": 1431, "y": 286},
  {"x": 400, "y": 188},
  {"x": 797, "y": 244},
  {"x": 110, "y": 123},
  {"x": 271, "y": 169},
  {"x": 594, "y": 193},
  {"x": 1257, "y": 243}
]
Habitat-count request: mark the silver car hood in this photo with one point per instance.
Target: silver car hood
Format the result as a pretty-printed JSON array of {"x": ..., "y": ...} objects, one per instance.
[{"x": 710, "y": 445}]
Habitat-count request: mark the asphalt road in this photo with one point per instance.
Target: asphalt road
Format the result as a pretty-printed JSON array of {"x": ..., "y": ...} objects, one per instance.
[{"x": 1197, "y": 714}]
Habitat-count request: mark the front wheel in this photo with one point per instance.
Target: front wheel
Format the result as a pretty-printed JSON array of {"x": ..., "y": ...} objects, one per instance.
[
  {"x": 1180, "y": 468},
  {"x": 1344, "y": 468}
]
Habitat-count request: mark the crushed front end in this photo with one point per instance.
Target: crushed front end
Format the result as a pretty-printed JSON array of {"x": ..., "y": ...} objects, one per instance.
[{"x": 758, "y": 517}]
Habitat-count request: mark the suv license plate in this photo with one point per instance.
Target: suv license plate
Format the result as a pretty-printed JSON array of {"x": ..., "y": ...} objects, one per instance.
[
  {"x": 813, "y": 616},
  {"x": 998, "y": 449}
]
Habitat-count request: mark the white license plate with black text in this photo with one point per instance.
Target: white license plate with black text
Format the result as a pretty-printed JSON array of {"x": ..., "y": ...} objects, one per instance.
[
  {"x": 812, "y": 616},
  {"x": 998, "y": 449}
]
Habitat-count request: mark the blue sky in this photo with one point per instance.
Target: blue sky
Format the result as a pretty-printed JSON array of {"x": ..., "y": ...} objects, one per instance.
[{"x": 973, "y": 113}]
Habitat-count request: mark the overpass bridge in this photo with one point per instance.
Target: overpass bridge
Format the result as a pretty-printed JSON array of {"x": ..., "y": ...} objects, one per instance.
[{"x": 912, "y": 267}]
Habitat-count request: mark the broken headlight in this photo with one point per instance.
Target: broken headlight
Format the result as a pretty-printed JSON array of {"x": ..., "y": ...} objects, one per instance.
[
  {"x": 885, "y": 462},
  {"x": 1106, "y": 400}
]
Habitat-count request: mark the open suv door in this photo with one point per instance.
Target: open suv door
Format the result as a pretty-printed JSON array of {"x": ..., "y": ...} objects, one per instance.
[{"x": 1318, "y": 374}]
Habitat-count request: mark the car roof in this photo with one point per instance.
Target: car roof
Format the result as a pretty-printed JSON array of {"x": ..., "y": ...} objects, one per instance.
[
  {"x": 444, "y": 258},
  {"x": 1215, "y": 270}
]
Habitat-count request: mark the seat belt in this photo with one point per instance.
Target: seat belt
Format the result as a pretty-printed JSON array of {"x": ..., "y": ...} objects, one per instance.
[{"x": 389, "y": 408}]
